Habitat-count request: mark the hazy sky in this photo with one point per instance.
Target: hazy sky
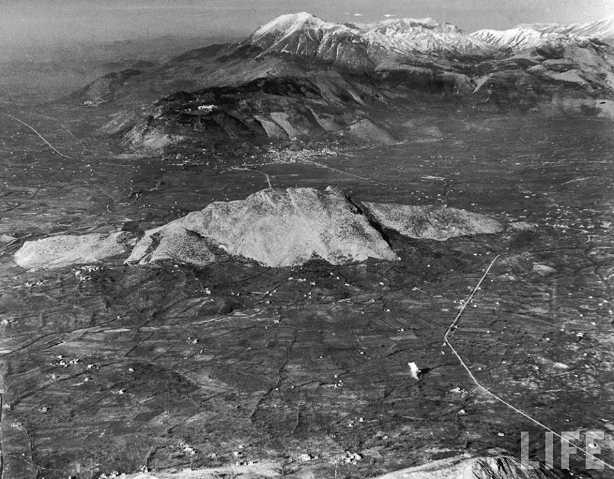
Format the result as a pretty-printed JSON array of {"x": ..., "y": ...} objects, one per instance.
[{"x": 37, "y": 22}]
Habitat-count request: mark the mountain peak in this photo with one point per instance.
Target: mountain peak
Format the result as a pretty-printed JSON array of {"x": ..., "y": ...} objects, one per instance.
[
  {"x": 419, "y": 23},
  {"x": 290, "y": 22}
]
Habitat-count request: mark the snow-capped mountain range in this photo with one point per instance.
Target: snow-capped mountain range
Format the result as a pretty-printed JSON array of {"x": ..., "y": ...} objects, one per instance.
[
  {"x": 306, "y": 35},
  {"x": 535, "y": 35},
  {"x": 303, "y": 34}
]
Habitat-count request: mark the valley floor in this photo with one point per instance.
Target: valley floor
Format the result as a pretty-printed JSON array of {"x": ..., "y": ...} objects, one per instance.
[{"x": 305, "y": 370}]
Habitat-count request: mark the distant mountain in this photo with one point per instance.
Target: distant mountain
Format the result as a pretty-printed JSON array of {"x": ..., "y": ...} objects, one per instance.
[
  {"x": 362, "y": 46},
  {"x": 540, "y": 34},
  {"x": 300, "y": 76}
]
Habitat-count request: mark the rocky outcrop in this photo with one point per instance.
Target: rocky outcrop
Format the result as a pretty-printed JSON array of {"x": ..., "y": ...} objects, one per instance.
[
  {"x": 368, "y": 131},
  {"x": 65, "y": 250},
  {"x": 272, "y": 129},
  {"x": 289, "y": 227},
  {"x": 172, "y": 242},
  {"x": 256, "y": 470},
  {"x": 145, "y": 136},
  {"x": 432, "y": 222},
  {"x": 274, "y": 227},
  {"x": 104, "y": 88},
  {"x": 499, "y": 467}
]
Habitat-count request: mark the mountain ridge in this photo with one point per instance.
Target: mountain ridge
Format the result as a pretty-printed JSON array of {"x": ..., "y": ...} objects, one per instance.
[
  {"x": 534, "y": 35},
  {"x": 304, "y": 32},
  {"x": 299, "y": 76}
]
